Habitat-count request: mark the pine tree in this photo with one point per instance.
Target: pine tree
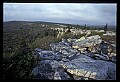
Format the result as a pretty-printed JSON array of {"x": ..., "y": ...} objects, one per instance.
[
  {"x": 68, "y": 28},
  {"x": 106, "y": 27},
  {"x": 85, "y": 27}
]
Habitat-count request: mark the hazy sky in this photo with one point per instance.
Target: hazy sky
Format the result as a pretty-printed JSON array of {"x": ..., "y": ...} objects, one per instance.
[{"x": 76, "y": 13}]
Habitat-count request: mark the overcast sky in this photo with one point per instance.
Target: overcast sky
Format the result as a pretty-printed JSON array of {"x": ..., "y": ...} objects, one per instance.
[{"x": 75, "y": 13}]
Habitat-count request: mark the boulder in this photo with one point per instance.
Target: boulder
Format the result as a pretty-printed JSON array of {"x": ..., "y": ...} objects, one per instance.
[
  {"x": 88, "y": 42},
  {"x": 38, "y": 49},
  {"x": 105, "y": 57},
  {"x": 48, "y": 54},
  {"x": 82, "y": 38},
  {"x": 109, "y": 33},
  {"x": 103, "y": 47},
  {"x": 94, "y": 37},
  {"x": 84, "y": 66},
  {"x": 63, "y": 62},
  {"x": 43, "y": 71},
  {"x": 51, "y": 70}
]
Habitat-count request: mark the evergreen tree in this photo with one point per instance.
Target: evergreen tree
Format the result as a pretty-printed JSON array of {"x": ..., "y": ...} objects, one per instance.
[
  {"x": 106, "y": 27},
  {"x": 85, "y": 27},
  {"x": 68, "y": 28}
]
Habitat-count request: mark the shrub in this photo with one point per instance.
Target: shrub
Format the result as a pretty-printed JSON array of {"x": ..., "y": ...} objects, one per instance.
[{"x": 43, "y": 42}]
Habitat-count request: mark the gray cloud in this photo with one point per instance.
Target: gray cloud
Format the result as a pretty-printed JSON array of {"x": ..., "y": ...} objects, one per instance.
[{"x": 61, "y": 12}]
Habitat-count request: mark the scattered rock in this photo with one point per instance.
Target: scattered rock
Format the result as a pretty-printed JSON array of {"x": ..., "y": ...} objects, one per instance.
[
  {"x": 89, "y": 58},
  {"x": 87, "y": 67},
  {"x": 88, "y": 42},
  {"x": 109, "y": 33}
]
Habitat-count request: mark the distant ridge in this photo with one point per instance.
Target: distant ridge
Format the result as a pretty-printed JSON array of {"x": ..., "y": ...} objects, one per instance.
[{"x": 46, "y": 22}]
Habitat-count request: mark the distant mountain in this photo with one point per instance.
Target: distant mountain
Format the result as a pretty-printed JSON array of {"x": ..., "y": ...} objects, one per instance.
[
  {"x": 100, "y": 26},
  {"x": 27, "y": 24}
]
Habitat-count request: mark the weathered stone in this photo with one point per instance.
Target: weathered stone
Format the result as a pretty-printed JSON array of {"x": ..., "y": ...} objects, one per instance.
[
  {"x": 101, "y": 31},
  {"x": 82, "y": 38},
  {"x": 43, "y": 71},
  {"x": 76, "y": 77},
  {"x": 87, "y": 74},
  {"x": 112, "y": 54},
  {"x": 81, "y": 72},
  {"x": 63, "y": 74},
  {"x": 65, "y": 60},
  {"x": 114, "y": 45},
  {"x": 96, "y": 69},
  {"x": 89, "y": 32},
  {"x": 38, "y": 49},
  {"x": 113, "y": 59},
  {"x": 70, "y": 71},
  {"x": 88, "y": 42},
  {"x": 103, "y": 48},
  {"x": 94, "y": 37},
  {"x": 105, "y": 57},
  {"x": 109, "y": 33},
  {"x": 75, "y": 46},
  {"x": 65, "y": 63},
  {"x": 57, "y": 76},
  {"x": 47, "y": 54},
  {"x": 54, "y": 64},
  {"x": 93, "y": 75}
]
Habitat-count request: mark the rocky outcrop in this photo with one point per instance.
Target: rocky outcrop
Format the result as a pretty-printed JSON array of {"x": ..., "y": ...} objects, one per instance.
[
  {"x": 88, "y": 42},
  {"x": 89, "y": 68},
  {"x": 63, "y": 62},
  {"x": 109, "y": 33},
  {"x": 83, "y": 67}
]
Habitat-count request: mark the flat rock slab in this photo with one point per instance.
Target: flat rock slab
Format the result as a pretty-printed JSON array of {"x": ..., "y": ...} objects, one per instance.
[{"x": 95, "y": 69}]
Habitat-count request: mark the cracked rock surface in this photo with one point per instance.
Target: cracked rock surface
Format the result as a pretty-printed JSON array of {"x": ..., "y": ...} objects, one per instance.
[{"x": 63, "y": 62}]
